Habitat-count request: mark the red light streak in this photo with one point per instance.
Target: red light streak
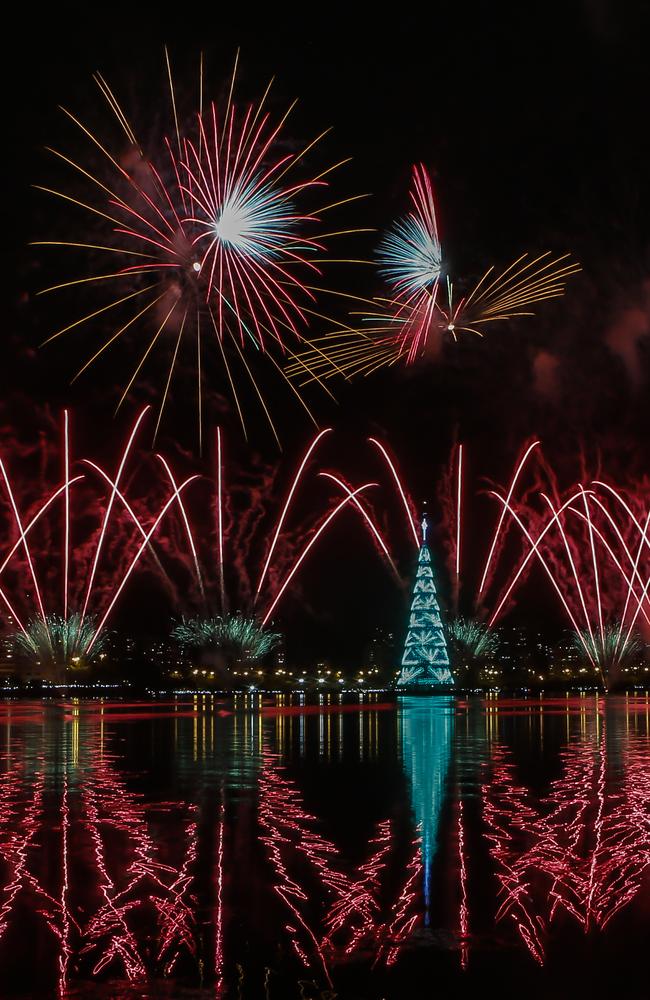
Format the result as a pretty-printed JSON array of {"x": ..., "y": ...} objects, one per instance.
[
  {"x": 633, "y": 562},
  {"x": 556, "y": 516},
  {"x": 136, "y": 558},
  {"x": 218, "y": 923},
  {"x": 17, "y": 544},
  {"x": 529, "y": 555},
  {"x": 535, "y": 549},
  {"x": 188, "y": 530},
  {"x": 129, "y": 509},
  {"x": 584, "y": 850},
  {"x": 360, "y": 898},
  {"x": 23, "y": 538},
  {"x": 66, "y": 479},
  {"x": 497, "y": 532},
  {"x": 405, "y": 502},
  {"x": 393, "y": 934},
  {"x": 508, "y": 816},
  {"x": 599, "y": 603},
  {"x": 351, "y": 920},
  {"x": 309, "y": 545},
  {"x": 628, "y": 580},
  {"x": 280, "y": 813},
  {"x": 287, "y": 504},
  {"x": 222, "y": 585},
  {"x": 141, "y": 882},
  {"x": 66, "y": 952},
  {"x": 16, "y": 848},
  {"x": 463, "y": 912},
  {"x": 369, "y": 521},
  {"x": 459, "y": 511},
  {"x": 109, "y": 507}
]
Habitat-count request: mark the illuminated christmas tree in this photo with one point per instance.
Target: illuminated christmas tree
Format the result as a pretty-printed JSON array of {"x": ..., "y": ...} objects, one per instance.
[{"x": 425, "y": 663}]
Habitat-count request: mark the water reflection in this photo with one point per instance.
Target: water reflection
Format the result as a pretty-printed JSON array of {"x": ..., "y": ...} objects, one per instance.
[
  {"x": 427, "y": 727},
  {"x": 580, "y": 851},
  {"x": 278, "y": 849}
]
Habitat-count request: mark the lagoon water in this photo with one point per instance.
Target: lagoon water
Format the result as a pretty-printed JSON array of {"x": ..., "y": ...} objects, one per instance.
[{"x": 367, "y": 849}]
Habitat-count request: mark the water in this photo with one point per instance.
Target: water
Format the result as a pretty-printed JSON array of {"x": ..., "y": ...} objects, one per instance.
[{"x": 433, "y": 847}]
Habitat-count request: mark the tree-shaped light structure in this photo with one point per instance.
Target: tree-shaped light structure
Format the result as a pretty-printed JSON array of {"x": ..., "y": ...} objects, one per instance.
[{"x": 425, "y": 662}]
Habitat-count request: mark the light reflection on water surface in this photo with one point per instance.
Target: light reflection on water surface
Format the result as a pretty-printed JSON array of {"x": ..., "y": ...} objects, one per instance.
[{"x": 199, "y": 848}]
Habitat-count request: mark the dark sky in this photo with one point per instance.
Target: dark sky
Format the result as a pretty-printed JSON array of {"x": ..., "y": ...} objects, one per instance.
[{"x": 533, "y": 121}]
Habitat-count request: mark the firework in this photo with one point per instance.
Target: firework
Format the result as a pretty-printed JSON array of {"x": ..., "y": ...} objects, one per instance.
[
  {"x": 401, "y": 332},
  {"x": 606, "y": 651},
  {"x": 262, "y": 556},
  {"x": 410, "y": 255},
  {"x": 472, "y": 640},
  {"x": 453, "y": 496},
  {"x": 57, "y": 641},
  {"x": 234, "y": 637},
  {"x": 593, "y": 548},
  {"x": 584, "y": 852},
  {"x": 212, "y": 247},
  {"x": 407, "y": 503},
  {"x": 412, "y": 323}
]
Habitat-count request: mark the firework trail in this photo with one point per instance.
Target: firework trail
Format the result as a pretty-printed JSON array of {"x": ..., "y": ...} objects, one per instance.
[
  {"x": 407, "y": 502},
  {"x": 410, "y": 254},
  {"x": 451, "y": 490},
  {"x": 592, "y": 544},
  {"x": 283, "y": 822},
  {"x": 463, "y": 908},
  {"x": 421, "y": 311},
  {"x": 357, "y": 910},
  {"x": 145, "y": 883},
  {"x": 453, "y": 496},
  {"x": 119, "y": 544},
  {"x": 256, "y": 555},
  {"x": 404, "y": 915},
  {"x": 207, "y": 242}
]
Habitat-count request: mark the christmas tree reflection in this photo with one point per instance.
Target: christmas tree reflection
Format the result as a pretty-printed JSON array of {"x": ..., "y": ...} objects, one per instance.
[{"x": 427, "y": 728}]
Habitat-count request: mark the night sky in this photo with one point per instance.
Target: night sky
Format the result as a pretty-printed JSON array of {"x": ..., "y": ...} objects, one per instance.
[{"x": 533, "y": 121}]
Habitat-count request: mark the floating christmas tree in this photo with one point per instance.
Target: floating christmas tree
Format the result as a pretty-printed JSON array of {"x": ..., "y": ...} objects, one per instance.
[{"x": 425, "y": 663}]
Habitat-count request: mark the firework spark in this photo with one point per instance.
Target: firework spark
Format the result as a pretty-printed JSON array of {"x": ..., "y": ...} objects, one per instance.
[
  {"x": 211, "y": 245},
  {"x": 472, "y": 640},
  {"x": 410, "y": 255},
  {"x": 412, "y": 323},
  {"x": 62, "y": 641},
  {"x": 400, "y": 331},
  {"x": 606, "y": 650},
  {"x": 58, "y": 643},
  {"x": 593, "y": 548},
  {"x": 260, "y": 558},
  {"x": 235, "y": 637}
]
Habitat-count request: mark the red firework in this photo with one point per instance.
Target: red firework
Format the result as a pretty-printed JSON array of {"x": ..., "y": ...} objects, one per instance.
[
  {"x": 592, "y": 544},
  {"x": 266, "y": 557},
  {"x": 91, "y": 574},
  {"x": 210, "y": 248}
]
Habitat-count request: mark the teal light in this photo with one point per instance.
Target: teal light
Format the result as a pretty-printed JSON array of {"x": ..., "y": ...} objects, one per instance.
[
  {"x": 427, "y": 726},
  {"x": 425, "y": 661}
]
